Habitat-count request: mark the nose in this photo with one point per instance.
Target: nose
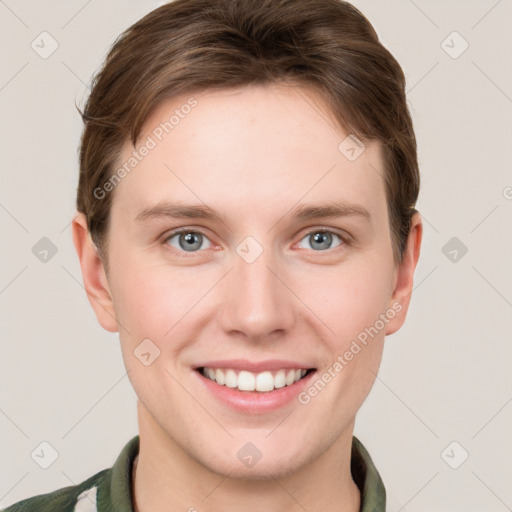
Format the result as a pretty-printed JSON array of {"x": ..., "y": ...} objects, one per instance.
[{"x": 257, "y": 305}]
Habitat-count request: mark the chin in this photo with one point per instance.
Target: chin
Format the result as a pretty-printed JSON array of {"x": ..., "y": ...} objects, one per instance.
[
  {"x": 260, "y": 472},
  {"x": 266, "y": 468}
]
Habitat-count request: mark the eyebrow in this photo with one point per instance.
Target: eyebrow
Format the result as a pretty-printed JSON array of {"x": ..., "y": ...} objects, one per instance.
[
  {"x": 301, "y": 212},
  {"x": 330, "y": 210},
  {"x": 177, "y": 211}
]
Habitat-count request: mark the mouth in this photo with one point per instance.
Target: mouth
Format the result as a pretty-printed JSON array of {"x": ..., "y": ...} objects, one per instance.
[
  {"x": 265, "y": 381},
  {"x": 254, "y": 387}
]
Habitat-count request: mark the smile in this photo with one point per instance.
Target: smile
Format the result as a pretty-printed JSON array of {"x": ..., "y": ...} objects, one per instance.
[
  {"x": 253, "y": 387},
  {"x": 249, "y": 381}
]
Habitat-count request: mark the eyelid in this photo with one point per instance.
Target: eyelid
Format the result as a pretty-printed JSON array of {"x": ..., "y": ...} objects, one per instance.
[
  {"x": 344, "y": 235},
  {"x": 183, "y": 229}
]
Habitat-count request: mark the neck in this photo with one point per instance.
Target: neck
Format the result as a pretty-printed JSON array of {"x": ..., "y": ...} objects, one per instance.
[{"x": 165, "y": 478}]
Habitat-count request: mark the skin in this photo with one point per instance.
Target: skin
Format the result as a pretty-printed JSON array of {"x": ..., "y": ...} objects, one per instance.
[{"x": 253, "y": 155}]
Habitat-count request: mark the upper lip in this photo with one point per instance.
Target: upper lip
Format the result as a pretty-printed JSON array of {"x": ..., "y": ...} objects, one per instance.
[{"x": 253, "y": 366}]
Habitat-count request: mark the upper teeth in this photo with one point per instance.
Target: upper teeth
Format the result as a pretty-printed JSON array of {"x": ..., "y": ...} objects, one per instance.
[{"x": 248, "y": 381}]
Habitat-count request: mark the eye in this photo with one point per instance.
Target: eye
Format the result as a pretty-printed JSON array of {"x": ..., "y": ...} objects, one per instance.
[
  {"x": 188, "y": 240},
  {"x": 321, "y": 240}
]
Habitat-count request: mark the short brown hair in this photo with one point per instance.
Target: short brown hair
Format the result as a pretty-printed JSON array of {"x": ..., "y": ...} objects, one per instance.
[{"x": 194, "y": 45}]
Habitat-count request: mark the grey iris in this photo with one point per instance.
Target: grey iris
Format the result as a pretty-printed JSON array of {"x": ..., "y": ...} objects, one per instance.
[
  {"x": 321, "y": 240},
  {"x": 191, "y": 242}
]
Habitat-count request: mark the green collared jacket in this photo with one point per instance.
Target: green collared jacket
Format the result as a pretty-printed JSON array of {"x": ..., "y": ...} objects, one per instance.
[{"x": 110, "y": 489}]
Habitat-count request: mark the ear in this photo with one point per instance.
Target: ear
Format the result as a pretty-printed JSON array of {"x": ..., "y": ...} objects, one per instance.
[
  {"x": 401, "y": 296},
  {"x": 93, "y": 273}
]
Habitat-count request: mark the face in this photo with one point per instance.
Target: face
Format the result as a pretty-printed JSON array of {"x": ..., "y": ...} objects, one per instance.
[{"x": 247, "y": 248}]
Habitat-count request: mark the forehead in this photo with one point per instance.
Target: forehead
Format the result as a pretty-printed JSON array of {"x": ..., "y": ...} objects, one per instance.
[{"x": 258, "y": 148}]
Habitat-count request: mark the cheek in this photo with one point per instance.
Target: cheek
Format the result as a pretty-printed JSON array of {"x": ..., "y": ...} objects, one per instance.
[
  {"x": 153, "y": 304},
  {"x": 351, "y": 299},
  {"x": 359, "y": 301},
  {"x": 151, "y": 299}
]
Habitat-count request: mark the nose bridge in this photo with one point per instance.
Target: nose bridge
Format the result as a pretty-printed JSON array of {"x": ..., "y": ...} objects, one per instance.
[{"x": 257, "y": 302}]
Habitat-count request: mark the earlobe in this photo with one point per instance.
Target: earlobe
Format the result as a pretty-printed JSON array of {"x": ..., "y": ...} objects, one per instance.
[
  {"x": 401, "y": 295},
  {"x": 93, "y": 274}
]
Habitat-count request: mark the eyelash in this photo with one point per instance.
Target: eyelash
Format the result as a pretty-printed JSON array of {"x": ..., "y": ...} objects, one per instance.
[{"x": 345, "y": 239}]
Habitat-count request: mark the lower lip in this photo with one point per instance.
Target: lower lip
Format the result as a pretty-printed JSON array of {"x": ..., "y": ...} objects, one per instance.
[{"x": 255, "y": 402}]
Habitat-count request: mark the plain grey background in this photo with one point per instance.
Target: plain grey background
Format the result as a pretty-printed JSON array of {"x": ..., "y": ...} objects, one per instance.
[{"x": 437, "y": 422}]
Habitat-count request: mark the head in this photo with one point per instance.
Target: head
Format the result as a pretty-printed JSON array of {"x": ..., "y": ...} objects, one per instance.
[{"x": 276, "y": 136}]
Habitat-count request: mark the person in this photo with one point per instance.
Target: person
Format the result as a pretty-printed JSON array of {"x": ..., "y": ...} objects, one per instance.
[{"x": 246, "y": 221}]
